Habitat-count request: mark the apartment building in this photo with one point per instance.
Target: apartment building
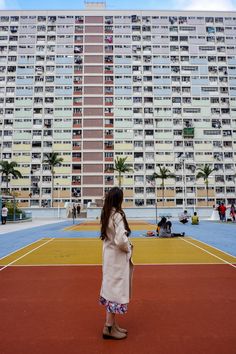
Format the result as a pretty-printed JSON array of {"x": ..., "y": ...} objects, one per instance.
[{"x": 156, "y": 86}]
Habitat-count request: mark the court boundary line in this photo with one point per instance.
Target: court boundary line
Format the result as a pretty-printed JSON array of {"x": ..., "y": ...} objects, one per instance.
[
  {"x": 19, "y": 249},
  {"x": 212, "y": 254},
  {"x": 26, "y": 254},
  {"x": 100, "y": 264},
  {"x": 98, "y": 239},
  {"x": 216, "y": 248}
]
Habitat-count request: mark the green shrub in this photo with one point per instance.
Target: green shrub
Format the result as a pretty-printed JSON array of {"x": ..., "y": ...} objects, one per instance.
[{"x": 10, "y": 207}]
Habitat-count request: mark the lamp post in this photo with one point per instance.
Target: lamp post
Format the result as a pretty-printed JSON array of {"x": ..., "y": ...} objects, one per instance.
[
  {"x": 153, "y": 183},
  {"x": 156, "y": 210},
  {"x": 195, "y": 196},
  {"x": 182, "y": 161},
  {"x": 58, "y": 203},
  {"x": 14, "y": 208}
]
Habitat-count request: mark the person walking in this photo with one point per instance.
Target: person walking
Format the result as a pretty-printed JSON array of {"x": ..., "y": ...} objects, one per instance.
[
  {"x": 74, "y": 211},
  {"x": 222, "y": 210},
  {"x": 218, "y": 209},
  {"x": 78, "y": 209},
  {"x": 117, "y": 264},
  {"x": 4, "y": 214}
]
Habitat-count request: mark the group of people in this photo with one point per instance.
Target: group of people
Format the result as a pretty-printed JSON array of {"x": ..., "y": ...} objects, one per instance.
[
  {"x": 184, "y": 218},
  {"x": 75, "y": 210},
  {"x": 164, "y": 229},
  {"x": 222, "y": 208},
  {"x": 164, "y": 226}
]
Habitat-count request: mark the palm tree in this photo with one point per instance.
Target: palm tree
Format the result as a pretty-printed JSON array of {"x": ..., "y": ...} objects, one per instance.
[
  {"x": 121, "y": 167},
  {"x": 205, "y": 172},
  {"x": 53, "y": 160},
  {"x": 8, "y": 169},
  {"x": 164, "y": 173}
]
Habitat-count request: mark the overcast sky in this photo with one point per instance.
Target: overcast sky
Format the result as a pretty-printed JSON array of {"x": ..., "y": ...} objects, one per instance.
[{"x": 217, "y": 5}]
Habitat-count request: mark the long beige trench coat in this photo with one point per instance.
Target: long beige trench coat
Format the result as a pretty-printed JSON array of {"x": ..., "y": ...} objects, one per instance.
[{"x": 117, "y": 264}]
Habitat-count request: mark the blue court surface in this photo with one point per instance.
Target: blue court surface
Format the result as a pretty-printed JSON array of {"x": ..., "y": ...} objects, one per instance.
[{"x": 215, "y": 234}]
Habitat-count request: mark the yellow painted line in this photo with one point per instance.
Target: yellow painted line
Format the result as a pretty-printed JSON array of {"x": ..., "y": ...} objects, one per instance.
[
  {"x": 146, "y": 251},
  {"x": 82, "y": 228}
]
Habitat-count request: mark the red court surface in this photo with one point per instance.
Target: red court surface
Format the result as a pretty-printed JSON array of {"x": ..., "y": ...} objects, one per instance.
[{"x": 183, "y": 309}]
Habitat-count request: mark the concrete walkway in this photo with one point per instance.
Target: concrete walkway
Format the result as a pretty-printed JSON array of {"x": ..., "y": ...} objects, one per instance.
[{"x": 11, "y": 227}]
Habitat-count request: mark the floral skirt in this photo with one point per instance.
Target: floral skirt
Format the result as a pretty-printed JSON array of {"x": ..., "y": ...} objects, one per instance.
[{"x": 113, "y": 307}]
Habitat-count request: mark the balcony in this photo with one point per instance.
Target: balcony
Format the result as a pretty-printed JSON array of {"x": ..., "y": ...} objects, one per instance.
[
  {"x": 76, "y": 183},
  {"x": 76, "y": 159},
  {"x": 109, "y": 147},
  {"x": 109, "y": 159},
  {"x": 77, "y": 125},
  {"x": 109, "y": 136},
  {"x": 76, "y": 136}
]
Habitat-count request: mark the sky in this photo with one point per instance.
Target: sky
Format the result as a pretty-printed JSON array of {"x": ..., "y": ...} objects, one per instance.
[{"x": 201, "y": 5}]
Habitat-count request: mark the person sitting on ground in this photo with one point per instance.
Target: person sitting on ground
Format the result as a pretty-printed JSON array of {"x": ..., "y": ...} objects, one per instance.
[
  {"x": 195, "y": 219},
  {"x": 164, "y": 228},
  {"x": 183, "y": 218}
]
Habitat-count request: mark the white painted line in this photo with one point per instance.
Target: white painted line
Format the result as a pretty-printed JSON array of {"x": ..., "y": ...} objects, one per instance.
[
  {"x": 29, "y": 244},
  {"x": 218, "y": 249},
  {"x": 100, "y": 264},
  {"x": 57, "y": 265},
  {"x": 26, "y": 254},
  {"x": 76, "y": 239},
  {"x": 212, "y": 254}
]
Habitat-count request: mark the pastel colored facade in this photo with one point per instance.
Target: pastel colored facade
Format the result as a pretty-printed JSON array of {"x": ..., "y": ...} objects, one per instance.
[{"x": 156, "y": 86}]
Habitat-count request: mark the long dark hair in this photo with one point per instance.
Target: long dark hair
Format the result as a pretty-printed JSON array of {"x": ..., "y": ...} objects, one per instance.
[
  {"x": 162, "y": 223},
  {"x": 113, "y": 199}
]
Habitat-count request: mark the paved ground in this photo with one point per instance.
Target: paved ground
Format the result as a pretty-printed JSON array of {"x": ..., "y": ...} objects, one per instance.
[
  {"x": 11, "y": 227},
  {"x": 183, "y": 290},
  {"x": 16, "y": 236}
]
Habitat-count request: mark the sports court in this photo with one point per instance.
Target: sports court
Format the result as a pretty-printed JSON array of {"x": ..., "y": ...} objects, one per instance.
[{"x": 184, "y": 291}]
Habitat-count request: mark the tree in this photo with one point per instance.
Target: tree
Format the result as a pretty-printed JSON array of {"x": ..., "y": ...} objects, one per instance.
[
  {"x": 9, "y": 169},
  {"x": 121, "y": 167},
  {"x": 53, "y": 160},
  {"x": 205, "y": 172},
  {"x": 164, "y": 173}
]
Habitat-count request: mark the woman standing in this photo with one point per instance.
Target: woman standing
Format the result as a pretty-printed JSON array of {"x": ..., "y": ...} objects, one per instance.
[
  {"x": 117, "y": 265},
  {"x": 232, "y": 212}
]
